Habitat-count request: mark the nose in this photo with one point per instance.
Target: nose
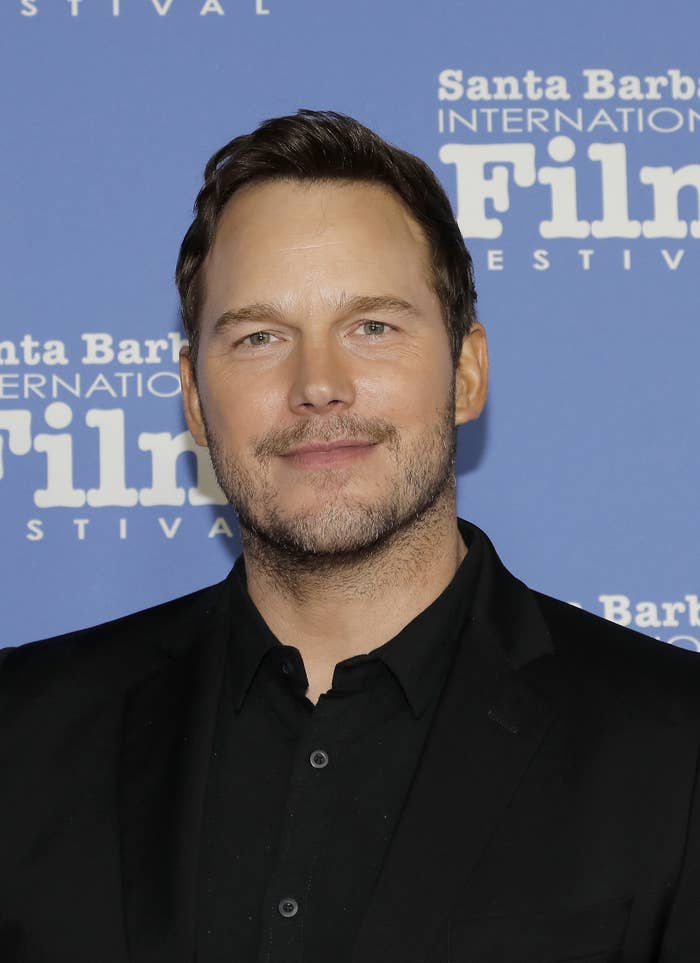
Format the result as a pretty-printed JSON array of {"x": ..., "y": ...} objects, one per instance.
[{"x": 322, "y": 382}]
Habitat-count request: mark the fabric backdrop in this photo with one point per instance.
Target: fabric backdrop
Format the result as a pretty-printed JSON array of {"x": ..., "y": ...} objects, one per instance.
[{"x": 567, "y": 136}]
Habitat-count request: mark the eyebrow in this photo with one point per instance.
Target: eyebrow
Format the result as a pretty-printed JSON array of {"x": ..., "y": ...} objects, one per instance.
[{"x": 264, "y": 313}]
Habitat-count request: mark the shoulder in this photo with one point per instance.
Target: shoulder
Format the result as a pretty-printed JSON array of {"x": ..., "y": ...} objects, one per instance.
[
  {"x": 113, "y": 653},
  {"x": 610, "y": 660}
]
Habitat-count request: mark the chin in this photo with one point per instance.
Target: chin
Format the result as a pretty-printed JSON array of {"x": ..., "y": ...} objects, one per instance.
[{"x": 326, "y": 530}]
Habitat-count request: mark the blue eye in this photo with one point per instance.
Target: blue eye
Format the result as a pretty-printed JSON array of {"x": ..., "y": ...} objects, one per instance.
[
  {"x": 260, "y": 337},
  {"x": 373, "y": 327}
]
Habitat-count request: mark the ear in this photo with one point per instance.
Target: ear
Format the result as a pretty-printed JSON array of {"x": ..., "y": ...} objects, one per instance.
[
  {"x": 190, "y": 398},
  {"x": 471, "y": 375}
]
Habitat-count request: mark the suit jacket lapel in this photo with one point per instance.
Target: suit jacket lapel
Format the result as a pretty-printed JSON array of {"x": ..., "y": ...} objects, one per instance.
[
  {"x": 486, "y": 730},
  {"x": 167, "y": 732}
]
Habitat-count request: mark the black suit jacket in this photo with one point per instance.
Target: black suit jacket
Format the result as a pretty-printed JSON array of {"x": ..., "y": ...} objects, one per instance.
[{"x": 553, "y": 816}]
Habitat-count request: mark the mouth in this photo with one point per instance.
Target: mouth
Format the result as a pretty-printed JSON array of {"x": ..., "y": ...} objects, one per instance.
[{"x": 318, "y": 454}]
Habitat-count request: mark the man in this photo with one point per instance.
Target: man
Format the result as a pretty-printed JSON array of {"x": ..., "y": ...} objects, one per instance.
[{"x": 371, "y": 743}]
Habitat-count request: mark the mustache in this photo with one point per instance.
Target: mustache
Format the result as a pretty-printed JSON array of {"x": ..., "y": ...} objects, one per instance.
[{"x": 280, "y": 441}]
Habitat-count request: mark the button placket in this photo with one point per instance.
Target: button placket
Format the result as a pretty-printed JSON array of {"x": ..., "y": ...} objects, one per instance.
[{"x": 306, "y": 815}]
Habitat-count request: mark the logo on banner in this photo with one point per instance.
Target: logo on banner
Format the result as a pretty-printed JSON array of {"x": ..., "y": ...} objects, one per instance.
[
  {"x": 161, "y": 8},
  {"x": 676, "y": 621},
  {"x": 578, "y": 147},
  {"x": 72, "y": 420}
]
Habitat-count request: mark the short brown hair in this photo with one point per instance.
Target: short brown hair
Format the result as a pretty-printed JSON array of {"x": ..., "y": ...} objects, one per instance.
[{"x": 321, "y": 146}]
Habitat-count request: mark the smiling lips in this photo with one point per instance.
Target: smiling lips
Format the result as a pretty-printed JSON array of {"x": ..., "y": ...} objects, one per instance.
[{"x": 318, "y": 454}]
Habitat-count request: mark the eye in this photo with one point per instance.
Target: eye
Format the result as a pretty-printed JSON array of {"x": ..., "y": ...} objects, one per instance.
[
  {"x": 374, "y": 328},
  {"x": 257, "y": 339}
]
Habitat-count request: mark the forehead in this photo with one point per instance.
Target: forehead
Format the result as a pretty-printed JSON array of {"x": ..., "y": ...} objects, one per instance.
[{"x": 286, "y": 239}]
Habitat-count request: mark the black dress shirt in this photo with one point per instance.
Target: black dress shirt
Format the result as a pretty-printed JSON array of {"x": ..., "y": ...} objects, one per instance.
[{"x": 302, "y": 800}]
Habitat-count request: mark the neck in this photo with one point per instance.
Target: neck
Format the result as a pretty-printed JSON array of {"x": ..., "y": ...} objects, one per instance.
[{"x": 334, "y": 607}]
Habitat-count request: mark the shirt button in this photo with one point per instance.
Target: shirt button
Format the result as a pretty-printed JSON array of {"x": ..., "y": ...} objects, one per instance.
[
  {"x": 319, "y": 759},
  {"x": 288, "y": 906},
  {"x": 286, "y": 668}
]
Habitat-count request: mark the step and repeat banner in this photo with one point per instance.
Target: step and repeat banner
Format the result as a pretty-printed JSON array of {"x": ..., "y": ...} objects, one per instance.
[{"x": 568, "y": 138}]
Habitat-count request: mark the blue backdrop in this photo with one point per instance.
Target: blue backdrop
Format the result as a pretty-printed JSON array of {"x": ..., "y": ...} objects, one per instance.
[{"x": 567, "y": 137}]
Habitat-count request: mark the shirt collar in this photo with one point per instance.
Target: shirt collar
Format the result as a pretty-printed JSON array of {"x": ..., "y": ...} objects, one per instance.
[
  {"x": 251, "y": 638},
  {"x": 418, "y": 656},
  {"x": 421, "y": 654}
]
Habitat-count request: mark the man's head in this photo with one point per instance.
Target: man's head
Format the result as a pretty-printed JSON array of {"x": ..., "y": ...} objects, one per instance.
[
  {"x": 315, "y": 146},
  {"x": 329, "y": 301}
]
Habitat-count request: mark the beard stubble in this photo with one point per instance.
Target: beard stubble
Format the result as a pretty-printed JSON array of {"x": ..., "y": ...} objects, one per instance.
[{"x": 341, "y": 528}]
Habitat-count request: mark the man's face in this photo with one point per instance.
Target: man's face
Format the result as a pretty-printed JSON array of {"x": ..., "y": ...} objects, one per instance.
[{"x": 325, "y": 382}]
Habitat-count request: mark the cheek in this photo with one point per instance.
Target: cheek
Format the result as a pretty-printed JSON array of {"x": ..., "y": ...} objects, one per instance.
[
  {"x": 407, "y": 399},
  {"x": 236, "y": 411}
]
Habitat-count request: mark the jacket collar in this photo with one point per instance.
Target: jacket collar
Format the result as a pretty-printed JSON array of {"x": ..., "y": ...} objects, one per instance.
[{"x": 166, "y": 743}]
